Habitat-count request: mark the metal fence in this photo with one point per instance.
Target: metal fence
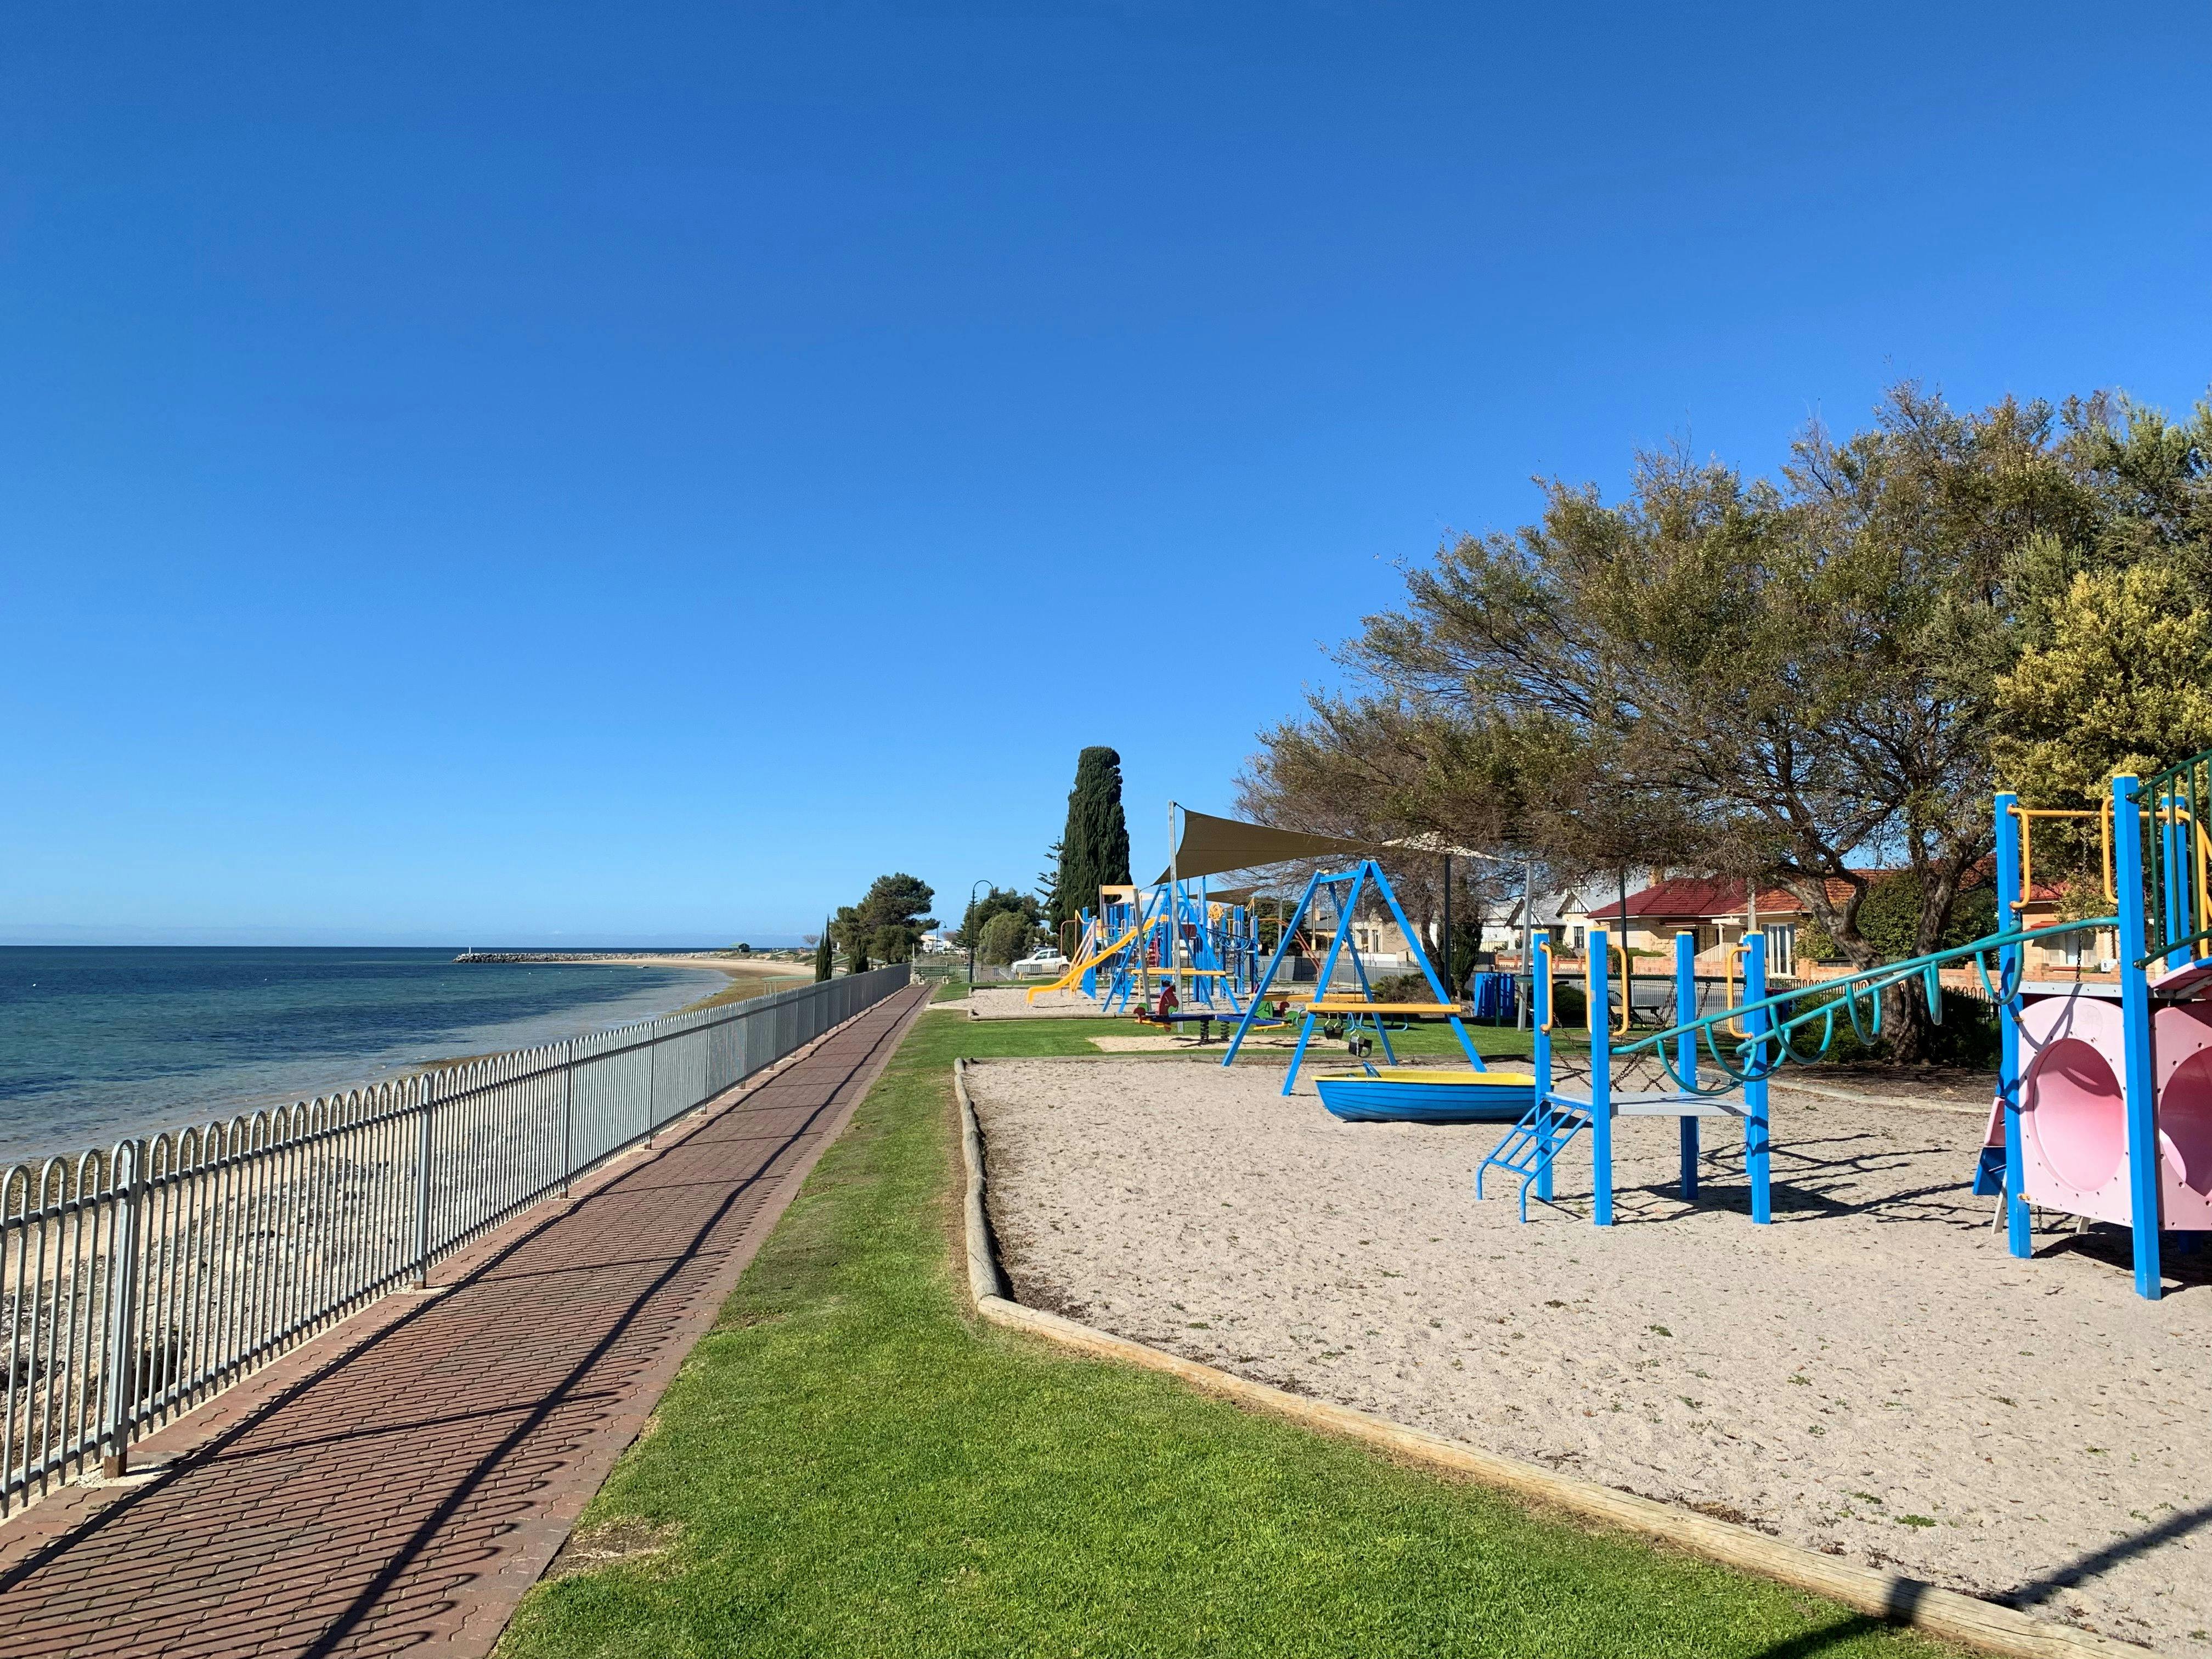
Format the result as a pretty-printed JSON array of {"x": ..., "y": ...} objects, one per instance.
[{"x": 136, "y": 1283}]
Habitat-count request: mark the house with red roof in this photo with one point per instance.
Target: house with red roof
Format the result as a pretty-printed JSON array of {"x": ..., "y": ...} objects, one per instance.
[
  {"x": 1716, "y": 912},
  {"x": 1719, "y": 913}
]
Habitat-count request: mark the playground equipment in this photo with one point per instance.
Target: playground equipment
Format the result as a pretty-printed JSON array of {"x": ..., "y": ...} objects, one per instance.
[
  {"x": 2104, "y": 1101},
  {"x": 1407, "y": 1095},
  {"x": 1355, "y": 1005},
  {"x": 1207, "y": 948},
  {"x": 1129, "y": 941},
  {"x": 1084, "y": 960}
]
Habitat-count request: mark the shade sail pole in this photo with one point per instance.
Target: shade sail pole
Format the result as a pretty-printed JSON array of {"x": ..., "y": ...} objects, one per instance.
[
  {"x": 1175, "y": 910},
  {"x": 1525, "y": 1014},
  {"x": 1451, "y": 995}
]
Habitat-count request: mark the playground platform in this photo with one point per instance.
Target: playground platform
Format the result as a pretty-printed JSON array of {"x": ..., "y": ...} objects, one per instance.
[{"x": 1872, "y": 1375}]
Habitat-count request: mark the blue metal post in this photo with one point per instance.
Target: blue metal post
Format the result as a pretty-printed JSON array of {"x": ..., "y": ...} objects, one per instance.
[
  {"x": 1540, "y": 1002},
  {"x": 1421, "y": 957},
  {"x": 2138, "y": 1085},
  {"x": 1685, "y": 1049},
  {"x": 2010, "y": 964},
  {"x": 1756, "y": 1136},
  {"x": 1327, "y": 967},
  {"x": 1358, "y": 969},
  {"x": 1282, "y": 946},
  {"x": 1601, "y": 1030}
]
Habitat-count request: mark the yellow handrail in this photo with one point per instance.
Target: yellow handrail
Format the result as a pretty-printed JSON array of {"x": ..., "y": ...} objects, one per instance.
[
  {"x": 2027, "y": 816},
  {"x": 1551, "y": 996},
  {"x": 1734, "y": 953},
  {"x": 1589, "y": 982}
]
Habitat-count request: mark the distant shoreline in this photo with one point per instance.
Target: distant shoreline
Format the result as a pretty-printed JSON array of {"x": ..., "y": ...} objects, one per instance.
[
  {"x": 714, "y": 960},
  {"x": 734, "y": 970}
]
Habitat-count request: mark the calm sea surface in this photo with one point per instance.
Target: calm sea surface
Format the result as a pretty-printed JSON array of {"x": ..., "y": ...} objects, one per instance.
[{"x": 98, "y": 1043}]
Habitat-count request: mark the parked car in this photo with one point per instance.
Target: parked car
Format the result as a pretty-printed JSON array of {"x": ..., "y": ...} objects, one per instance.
[{"x": 1045, "y": 962}]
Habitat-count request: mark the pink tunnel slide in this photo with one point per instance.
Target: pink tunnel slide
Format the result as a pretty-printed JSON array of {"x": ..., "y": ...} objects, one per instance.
[{"x": 2073, "y": 1120}]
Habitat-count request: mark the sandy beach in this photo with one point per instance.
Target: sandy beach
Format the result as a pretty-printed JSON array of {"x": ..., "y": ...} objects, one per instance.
[
  {"x": 733, "y": 966},
  {"x": 735, "y": 971},
  {"x": 1872, "y": 1375}
]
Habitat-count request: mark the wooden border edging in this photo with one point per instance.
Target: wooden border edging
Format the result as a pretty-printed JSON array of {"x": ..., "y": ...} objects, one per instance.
[{"x": 1890, "y": 1596}]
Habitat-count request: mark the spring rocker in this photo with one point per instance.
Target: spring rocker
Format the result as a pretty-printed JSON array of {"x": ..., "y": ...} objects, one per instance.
[{"x": 2103, "y": 1107}]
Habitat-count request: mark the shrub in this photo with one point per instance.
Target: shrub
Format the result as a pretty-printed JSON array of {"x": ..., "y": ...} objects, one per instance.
[{"x": 1006, "y": 938}]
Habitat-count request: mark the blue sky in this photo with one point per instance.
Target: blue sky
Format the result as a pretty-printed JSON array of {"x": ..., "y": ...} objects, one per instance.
[{"x": 528, "y": 473}]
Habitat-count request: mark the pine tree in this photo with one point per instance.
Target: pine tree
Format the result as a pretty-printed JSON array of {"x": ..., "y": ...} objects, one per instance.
[
  {"x": 823, "y": 960},
  {"x": 1094, "y": 849}
]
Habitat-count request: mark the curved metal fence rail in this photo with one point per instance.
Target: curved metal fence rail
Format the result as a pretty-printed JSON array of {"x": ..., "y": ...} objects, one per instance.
[{"x": 137, "y": 1282}]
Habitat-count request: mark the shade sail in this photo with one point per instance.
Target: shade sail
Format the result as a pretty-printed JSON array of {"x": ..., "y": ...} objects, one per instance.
[{"x": 1211, "y": 845}]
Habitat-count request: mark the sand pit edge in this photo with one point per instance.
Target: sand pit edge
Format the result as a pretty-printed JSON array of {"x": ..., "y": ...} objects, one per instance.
[{"x": 1888, "y": 1596}]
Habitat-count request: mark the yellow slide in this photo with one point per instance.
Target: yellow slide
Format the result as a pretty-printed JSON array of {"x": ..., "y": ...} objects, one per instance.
[{"x": 1083, "y": 965}]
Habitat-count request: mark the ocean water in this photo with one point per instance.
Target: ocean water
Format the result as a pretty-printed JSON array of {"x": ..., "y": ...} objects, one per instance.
[{"x": 98, "y": 1043}]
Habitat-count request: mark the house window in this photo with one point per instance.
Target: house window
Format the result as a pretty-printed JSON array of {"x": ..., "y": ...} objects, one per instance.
[
  {"x": 1781, "y": 947},
  {"x": 2071, "y": 948},
  {"x": 1574, "y": 939}
]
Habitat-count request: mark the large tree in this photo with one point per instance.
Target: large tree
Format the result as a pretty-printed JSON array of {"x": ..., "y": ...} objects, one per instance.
[
  {"x": 1794, "y": 679},
  {"x": 1803, "y": 668},
  {"x": 2115, "y": 671},
  {"x": 888, "y": 921},
  {"x": 998, "y": 900},
  {"x": 1006, "y": 938},
  {"x": 1377, "y": 769},
  {"x": 1094, "y": 847}
]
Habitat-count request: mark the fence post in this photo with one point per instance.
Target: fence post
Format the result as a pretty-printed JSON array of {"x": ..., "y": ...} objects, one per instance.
[
  {"x": 568, "y": 1113},
  {"x": 122, "y": 1318},
  {"x": 422, "y": 1185},
  {"x": 651, "y": 1083}
]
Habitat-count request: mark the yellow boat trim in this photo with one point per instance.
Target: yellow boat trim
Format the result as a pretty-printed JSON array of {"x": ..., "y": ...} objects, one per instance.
[{"x": 1463, "y": 1079}]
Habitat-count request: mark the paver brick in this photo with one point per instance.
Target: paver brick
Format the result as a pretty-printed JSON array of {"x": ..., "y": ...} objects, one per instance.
[{"x": 406, "y": 1490}]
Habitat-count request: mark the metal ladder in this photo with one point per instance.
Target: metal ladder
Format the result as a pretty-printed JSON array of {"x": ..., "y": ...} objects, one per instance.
[{"x": 1527, "y": 1152}]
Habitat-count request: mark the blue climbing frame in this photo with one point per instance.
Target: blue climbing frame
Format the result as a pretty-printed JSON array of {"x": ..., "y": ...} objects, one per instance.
[
  {"x": 1531, "y": 1148},
  {"x": 1344, "y": 891},
  {"x": 2161, "y": 894}
]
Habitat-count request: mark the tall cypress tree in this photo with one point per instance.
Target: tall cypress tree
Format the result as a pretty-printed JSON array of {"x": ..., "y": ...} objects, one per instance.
[
  {"x": 1094, "y": 849},
  {"x": 822, "y": 953}
]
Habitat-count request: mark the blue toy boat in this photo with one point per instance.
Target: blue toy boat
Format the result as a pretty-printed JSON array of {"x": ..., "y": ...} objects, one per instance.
[{"x": 1405, "y": 1095}]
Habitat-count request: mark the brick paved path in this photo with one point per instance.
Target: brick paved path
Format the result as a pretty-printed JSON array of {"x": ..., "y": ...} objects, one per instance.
[{"x": 412, "y": 1481}]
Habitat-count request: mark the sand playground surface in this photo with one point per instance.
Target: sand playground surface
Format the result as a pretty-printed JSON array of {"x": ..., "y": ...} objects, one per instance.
[
  {"x": 1012, "y": 1002},
  {"x": 1872, "y": 1375}
]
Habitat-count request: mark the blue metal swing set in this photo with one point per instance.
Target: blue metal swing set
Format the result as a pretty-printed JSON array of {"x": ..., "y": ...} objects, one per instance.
[{"x": 1344, "y": 891}]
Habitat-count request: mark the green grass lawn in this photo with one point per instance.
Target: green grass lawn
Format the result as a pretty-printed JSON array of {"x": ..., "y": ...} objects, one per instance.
[{"x": 850, "y": 1463}]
